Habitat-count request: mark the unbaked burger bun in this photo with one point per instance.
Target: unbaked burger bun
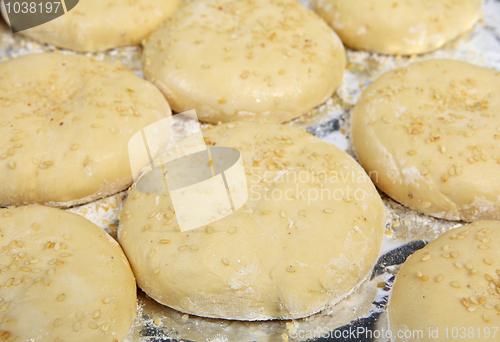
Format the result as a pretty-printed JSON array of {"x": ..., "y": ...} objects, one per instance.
[
  {"x": 63, "y": 279},
  {"x": 450, "y": 289},
  {"x": 399, "y": 27},
  {"x": 65, "y": 123},
  {"x": 259, "y": 60},
  {"x": 98, "y": 25},
  {"x": 429, "y": 135},
  {"x": 309, "y": 234}
]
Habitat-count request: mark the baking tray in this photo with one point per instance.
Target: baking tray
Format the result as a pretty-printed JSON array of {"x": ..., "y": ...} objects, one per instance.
[{"x": 361, "y": 317}]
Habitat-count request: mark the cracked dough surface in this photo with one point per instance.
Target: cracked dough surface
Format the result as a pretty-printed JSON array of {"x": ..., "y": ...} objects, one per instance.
[
  {"x": 97, "y": 25},
  {"x": 262, "y": 60},
  {"x": 65, "y": 122},
  {"x": 399, "y": 27},
  {"x": 429, "y": 134},
  {"x": 63, "y": 279},
  {"x": 273, "y": 258},
  {"x": 450, "y": 283}
]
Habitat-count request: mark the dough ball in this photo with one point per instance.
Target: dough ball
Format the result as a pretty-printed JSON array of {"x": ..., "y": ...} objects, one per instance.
[
  {"x": 65, "y": 122},
  {"x": 428, "y": 134},
  {"x": 257, "y": 60},
  {"x": 63, "y": 279},
  {"x": 399, "y": 27},
  {"x": 97, "y": 25},
  {"x": 453, "y": 284},
  {"x": 309, "y": 234}
]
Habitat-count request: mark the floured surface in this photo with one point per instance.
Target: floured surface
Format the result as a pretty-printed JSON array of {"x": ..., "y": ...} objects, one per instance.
[{"x": 480, "y": 47}]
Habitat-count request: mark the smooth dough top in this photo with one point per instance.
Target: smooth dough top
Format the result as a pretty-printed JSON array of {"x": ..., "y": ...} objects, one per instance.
[
  {"x": 429, "y": 135},
  {"x": 63, "y": 279},
  {"x": 65, "y": 122},
  {"x": 399, "y": 26},
  {"x": 259, "y": 60},
  {"x": 309, "y": 234},
  {"x": 97, "y": 25},
  {"x": 453, "y": 283}
]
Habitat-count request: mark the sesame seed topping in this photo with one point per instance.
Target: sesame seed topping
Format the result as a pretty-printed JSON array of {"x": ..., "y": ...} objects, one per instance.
[
  {"x": 225, "y": 261},
  {"x": 329, "y": 211},
  {"x": 61, "y": 297},
  {"x": 439, "y": 278},
  {"x": 426, "y": 257},
  {"x": 455, "y": 284},
  {"x": 282, "y": 213}
]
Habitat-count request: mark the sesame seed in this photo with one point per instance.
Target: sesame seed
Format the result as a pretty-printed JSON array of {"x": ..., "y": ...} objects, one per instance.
[
  {"x": 61, "y": 297},
  {"x": 487, "y": 261},
  {"x": 455, "y": 284},
  {"x": 439, "y": 278},
  {"x": 209, "y": 230},
  {"x": 96, "y": 314},
  {"x": 164, "y": 241},
  {"x": 329, "y": 211},
  {"x": 107, "y": 300},
  {"x": 194, "y": 248},
  {"x": 471, "y": 309},
  {"x": 12, "y": 165},
  {"x": 225, "y": 261},
  {"x": 58, "y": 322},
  {"x": 282, "y": 213},
  {"x": 426, "y": 257},
  {"x": 74, "y": 147},
  {"x": 232, "y": 230},
  {"x": 93, "y": 326},
  {"x": 458, "y": 265},
  {"x": 157, "y": 270},
  {"x": 486, "y": 318},
  {"x": 290, "y": 269},
  {"x": 77, "y": 326},
  {"x": 483, "y": 247}
]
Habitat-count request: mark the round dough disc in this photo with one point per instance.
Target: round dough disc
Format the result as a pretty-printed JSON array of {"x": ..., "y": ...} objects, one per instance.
[
  {"x": 98, "y": 25},
  {"x": 63, "y": 279},
  {"x": 399, "y": 27},
  {"x": 65, "y": 123},
  {"x": 301, "y": 242},
  {"x": 450, "y": 286},
  {"x": 428, "y": 135},
  {"x": 244, "y": 60}
]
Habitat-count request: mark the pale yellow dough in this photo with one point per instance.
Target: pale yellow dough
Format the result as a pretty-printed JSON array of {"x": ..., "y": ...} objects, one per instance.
[
  {"x": 429, "y": 134},
  {"x": 451, "y": 285},
  {"x": 97, "y": 25},
  {"x": 65, "y": 122},
  {"x": 63, "y": 279},
  {"x": 399, "y": 26},
  {"x": 273, "y": 258},
  {"x": 258, "y": 60}
]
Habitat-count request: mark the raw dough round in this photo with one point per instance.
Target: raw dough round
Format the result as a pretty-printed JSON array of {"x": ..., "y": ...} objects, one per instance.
[
  {"x": 399, "y": 27},
  {"x": 258, "y": 60},
  {"x": 97, "y": 25},
  {"x": 65, "y": 122},
  {"x": 273, "y": 258},
  {"x": 63, "y": 279},
  {"x": 429, "y": 135},
  {"x": 453, "y": 284}
]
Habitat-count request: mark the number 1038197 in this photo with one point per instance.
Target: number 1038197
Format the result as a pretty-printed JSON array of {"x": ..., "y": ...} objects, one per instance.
[
  {"x": 32, "y": 7},
  {"x": 471, "y": 333}
]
